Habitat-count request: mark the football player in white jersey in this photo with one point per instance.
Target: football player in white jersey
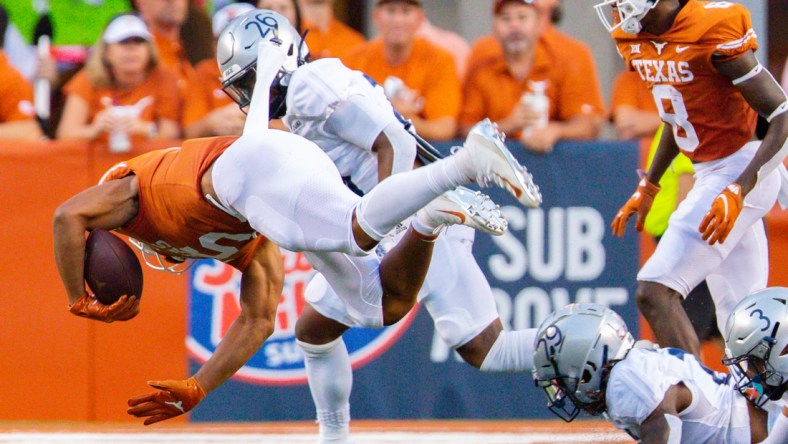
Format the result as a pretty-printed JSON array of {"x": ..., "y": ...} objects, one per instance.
[
  {"x": 348, "y": 116},
  {"x": 586, "y": 359},
  {"x": 756, "y": 349}
]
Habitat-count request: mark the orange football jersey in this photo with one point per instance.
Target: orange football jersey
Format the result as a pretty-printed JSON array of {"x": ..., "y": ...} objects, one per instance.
[
  {"x": 709, "y": 117},
  {"x": 174, "y": 218}
]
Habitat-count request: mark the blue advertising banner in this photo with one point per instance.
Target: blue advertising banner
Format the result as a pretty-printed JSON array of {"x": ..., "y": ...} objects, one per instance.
[{"x": 560, "y": 253}]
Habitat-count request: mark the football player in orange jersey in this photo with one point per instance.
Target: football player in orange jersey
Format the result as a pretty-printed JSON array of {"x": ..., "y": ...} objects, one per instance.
[
  {"x": 210, "y": 198},
  {"x": 698, "y": 59}
]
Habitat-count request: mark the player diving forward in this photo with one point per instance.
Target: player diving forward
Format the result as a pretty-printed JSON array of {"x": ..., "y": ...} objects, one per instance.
[
  {"x": 349, "y": 118},
  {"x": 211, "y": 198},
  {"x": 756, "y": 349},
  {"x": 698, "y": 59},
  {"x": 586, "y": 359}
]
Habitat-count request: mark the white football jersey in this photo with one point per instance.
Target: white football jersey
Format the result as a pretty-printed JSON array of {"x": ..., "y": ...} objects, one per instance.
[
  {"x": 637, "y": 385},
  {"x": 321, "y": 108}
]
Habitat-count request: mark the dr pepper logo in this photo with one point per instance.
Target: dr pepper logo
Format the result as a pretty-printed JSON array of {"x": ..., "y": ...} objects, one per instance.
[{"x": 214, "y": 289}]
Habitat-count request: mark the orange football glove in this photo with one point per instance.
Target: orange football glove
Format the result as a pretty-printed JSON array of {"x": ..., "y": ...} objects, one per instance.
[
  {"x": 639, "y": 203},
  {"x": 172, "y": 399},
  {"x": 718, "y": 222},
  {"x": 89, "y": 307}
]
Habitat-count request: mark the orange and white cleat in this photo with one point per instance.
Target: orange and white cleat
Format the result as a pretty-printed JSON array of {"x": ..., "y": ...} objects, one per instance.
[
  {"x": 463, "y": 206},
  {"x": 495, "y": 163}
]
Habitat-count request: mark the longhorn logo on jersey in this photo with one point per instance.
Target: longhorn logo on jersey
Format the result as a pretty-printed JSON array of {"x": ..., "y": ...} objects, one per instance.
[{"x": 215, "y": 290}]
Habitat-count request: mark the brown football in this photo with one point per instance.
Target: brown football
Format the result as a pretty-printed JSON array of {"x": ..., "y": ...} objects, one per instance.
[{"x": 111, "y": 267}]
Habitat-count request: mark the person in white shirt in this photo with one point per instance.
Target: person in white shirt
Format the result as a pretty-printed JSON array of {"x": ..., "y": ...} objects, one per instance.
[
  {"x": 756, "y": 349},
  {"x": 586, "y": 359}
]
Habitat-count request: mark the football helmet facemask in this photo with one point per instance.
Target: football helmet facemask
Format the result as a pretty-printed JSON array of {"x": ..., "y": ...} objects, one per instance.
[
  {"x": 576, "y": 347},
  {"x": 756, "y": 345},
  {"x": 624, "y": 14}
]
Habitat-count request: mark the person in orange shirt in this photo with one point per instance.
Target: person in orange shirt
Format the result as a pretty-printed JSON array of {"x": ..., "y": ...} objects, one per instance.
[
  {"x": 222, "y": 116},
  {"x": 419, "y": 78},
  {"x": 328, "y": 37},
  {"x": 450, "y": 41},
  {"x": 511, "y": 87},
  {"x": 17, "y": 114},
  {"x": 122, "y": 89},
  {"x": 165, "y": 19},
  {"x": 488, "y": 46},
  {"x": 632, "y": 108}
]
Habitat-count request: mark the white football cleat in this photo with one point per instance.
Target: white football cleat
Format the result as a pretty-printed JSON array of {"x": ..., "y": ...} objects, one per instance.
[
  {"x": 495, "y": 163},
  {"x": 462, "y": 206}
]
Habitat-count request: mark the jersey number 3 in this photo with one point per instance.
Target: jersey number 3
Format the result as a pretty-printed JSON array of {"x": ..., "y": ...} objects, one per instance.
[{"x": 676, "y": 116}]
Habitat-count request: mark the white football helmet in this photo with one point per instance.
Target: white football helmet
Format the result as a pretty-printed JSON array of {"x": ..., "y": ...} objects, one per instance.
[
  {"x": 624, "y": 14},
  {"x": 236, "y": 54},
  {"x": 576, "y": 347},
  {"x": 756, "y": 335}
]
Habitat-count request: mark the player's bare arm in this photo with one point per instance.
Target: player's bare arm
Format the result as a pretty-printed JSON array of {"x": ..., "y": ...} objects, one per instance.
[
  {"x": 766, "y": 97},
  {"x": 383, "y": 147},
  {"x": 261, "y": 288},
  {"x": 109, "y": 205},
  {"x": 667, "y": 150},
  {"x": 663, "y": 425}
]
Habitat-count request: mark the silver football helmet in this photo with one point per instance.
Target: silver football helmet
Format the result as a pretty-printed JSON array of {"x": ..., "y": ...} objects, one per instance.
[
  {"x": 756, "y": 345},
  {"x": 576, "y": 347},
  {"x": 236, "y": 54},
  {"x": 624, "y": 14}
]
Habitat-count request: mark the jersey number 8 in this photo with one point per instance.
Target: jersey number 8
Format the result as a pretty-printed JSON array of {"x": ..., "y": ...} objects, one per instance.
[{"x": 683, "y": 131}]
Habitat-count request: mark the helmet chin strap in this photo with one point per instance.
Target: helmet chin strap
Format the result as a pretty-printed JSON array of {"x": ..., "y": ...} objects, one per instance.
[{"x": 270, "y": 58}]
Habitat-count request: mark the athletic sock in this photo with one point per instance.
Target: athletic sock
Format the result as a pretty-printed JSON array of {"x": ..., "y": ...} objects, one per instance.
[
  {"x": 330, "y": 381},
  {"x": 512, "y": 352},
  {"x": 401, "y": 195}
]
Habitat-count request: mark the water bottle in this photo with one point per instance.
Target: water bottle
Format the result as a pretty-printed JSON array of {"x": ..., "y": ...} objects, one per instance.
[
  {"x": 538, "y": 101},
  {"x": 119, "y": 141}
]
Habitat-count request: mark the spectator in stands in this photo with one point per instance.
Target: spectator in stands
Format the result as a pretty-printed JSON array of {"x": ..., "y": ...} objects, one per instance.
[
  {"x": 450, "y": 41},
  {"x": 419, "y": 78},
  {"x": 632, "y": 108},
  {"x": 288, "y": 8},
  {"x": 165, "y": 20},
  {"x": 222, "y": 117},
  {"x": 122, "y": 88},
  {"x": 17, "y": 120},
  {"x": 328, "y": 37},
  {"x": 510, "y": 87}
]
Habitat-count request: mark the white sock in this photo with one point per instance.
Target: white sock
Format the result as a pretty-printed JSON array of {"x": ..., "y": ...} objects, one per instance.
[
  {"x": 401, "y": 195},
  {"x": 423, "y": 225},
  {"x": 513, "y": 351},
  {"x": 330, "y": 381}
]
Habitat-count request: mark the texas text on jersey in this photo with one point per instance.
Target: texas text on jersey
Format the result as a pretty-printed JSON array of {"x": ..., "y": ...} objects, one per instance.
[{"x": 709, "y": 117}]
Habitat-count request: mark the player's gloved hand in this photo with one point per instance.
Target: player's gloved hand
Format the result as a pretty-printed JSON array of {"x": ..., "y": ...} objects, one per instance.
[
  {"x": 172, "y": 398},
  {"x": 89, "y": 307},
  {"x": 640, "y": 203},
  {"x": 718, "y": 222}
]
